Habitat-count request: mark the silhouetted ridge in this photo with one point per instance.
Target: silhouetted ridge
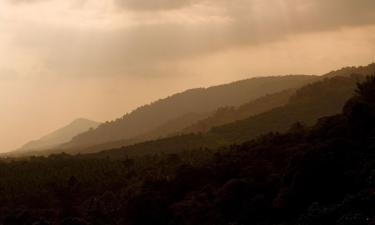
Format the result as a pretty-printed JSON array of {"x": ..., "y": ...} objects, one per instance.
[
  {"x": 226, "y": 115},
  {"x": 347, "y": 71},
  {"x": 119, "y": 132},
  {"x": 310, "y": 175},
  {"x": 200, "y": 101},
  {"x": 60, "y": 136},
  {"x": 309, "y": 103}
]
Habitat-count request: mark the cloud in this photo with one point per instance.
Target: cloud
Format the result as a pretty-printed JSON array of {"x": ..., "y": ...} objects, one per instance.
[
  {"x": 7, "y": 74},
  {"x": 86, "y": 56},
  {"x": 142, "y": 5},
  {"x": 25, "y": 1},
  {"x": 160, "y": 35}
]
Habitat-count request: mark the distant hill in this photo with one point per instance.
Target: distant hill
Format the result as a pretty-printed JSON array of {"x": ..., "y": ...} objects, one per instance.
[
  {"x": 309, "y": 175},
  {"x": 226, "y": 115},
  {"x": 267, "y": 113},
  {"x": 152, "y": 120},
  {"x": 363, "y": 70},
  {"x": 201, "y": 123},
  {"x": 60, "y": 136},
  {"x": 168, "y": 129},
  {"x": 314, "y": 101},
  {"x": 320, "y": 99},
  {"x": 198, "y": 123}
]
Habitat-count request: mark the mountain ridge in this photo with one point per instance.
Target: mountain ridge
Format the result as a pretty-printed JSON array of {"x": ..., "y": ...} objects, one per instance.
[
  {"x": 229, "y": 115},
  {"x": 60, "y": 135},
  {"x": 201, "y": 100},
  {"x": 303, "y": 107}
]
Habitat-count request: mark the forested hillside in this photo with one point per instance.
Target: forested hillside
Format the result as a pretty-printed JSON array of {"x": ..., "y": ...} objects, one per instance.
[
  {"x": 199, "y": 101},
  {"x": 269, "y": 102},
  {"x": 198, "y": 122},
  {"x": 227, "y": 115},
  {"x": 323, "y": 174},
  {"x": 307, "y": 105},
  {"x": 363, "y": 70},
  {"x": 212, "y": 112}
]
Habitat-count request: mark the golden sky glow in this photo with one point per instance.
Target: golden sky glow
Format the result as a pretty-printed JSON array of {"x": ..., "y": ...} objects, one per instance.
[{"x": 98, "y": 59}]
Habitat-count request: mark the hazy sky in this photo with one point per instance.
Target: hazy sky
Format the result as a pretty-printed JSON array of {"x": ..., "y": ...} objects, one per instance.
[{"x": 64, "y": 59}]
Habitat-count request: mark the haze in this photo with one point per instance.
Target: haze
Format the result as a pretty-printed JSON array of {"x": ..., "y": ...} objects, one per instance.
[{"x": 99, "y": 59}]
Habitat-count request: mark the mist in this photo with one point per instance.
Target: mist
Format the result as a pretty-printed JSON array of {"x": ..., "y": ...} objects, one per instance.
[{"x": 96, "y": 59}]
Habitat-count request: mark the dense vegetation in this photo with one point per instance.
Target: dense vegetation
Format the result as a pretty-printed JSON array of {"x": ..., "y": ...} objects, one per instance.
[{"x": 323, "y": 174}]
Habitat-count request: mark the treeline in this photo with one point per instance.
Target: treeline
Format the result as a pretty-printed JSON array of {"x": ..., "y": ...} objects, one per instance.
[{"x": 310, "y": 175}]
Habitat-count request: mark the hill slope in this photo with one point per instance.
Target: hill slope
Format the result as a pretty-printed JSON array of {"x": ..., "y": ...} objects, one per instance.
[
  {"x": 198, "y": 123},
  {"x": 319, "y": 175},
  {"x": 227, "y": 115},
  {"x": 307, "y": 105},
  {"x": 268, "y": 102},
  {"x": 199, "y": 101},
  {"x": 364, "y": 70},
  {"x": 322, "y": 98},
  {"x": 60, "y": 136}
]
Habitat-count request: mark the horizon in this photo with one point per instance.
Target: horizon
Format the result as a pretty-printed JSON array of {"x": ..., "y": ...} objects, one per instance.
[
  {"x": 101, "y": 59},
  {"x": 187, "y": 112},
  {"x": 148, "y": 103},
  {"x": 52, "y": 130}
]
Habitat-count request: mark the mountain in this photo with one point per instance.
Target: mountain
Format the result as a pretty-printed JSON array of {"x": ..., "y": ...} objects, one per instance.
[
  {"x": 151, "y": 117},
  {"x": 315, "y": 175},
  {"x": 309, "y": 103},
  {"x": 200, "y": 123},
  {"x": 60, "y": 136},
  {"x": 364, "y": 70},
  {"x": 168, "y": 129},
  {"x": 265, "y": 103},
  {"x": 203, "y": 122},
  {"x": 227, "y": 115},
  {"x": 310, "y": 175},
  {"x": 323, "y": 96}
]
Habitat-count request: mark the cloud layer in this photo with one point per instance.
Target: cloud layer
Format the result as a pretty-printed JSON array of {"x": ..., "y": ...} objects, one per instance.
[
  {"x": 150, "y": 32},
  {"x": 86, "y": 56},
  {"x": 153, "y": 5}
]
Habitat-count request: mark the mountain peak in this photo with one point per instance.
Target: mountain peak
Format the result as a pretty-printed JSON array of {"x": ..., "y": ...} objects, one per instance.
[
  {"x": 61, "y": 135},
  {"x": 84, "y": 121}
]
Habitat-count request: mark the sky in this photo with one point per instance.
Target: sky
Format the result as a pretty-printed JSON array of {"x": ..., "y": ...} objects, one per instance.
[{"x": 98, "y": 59}]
